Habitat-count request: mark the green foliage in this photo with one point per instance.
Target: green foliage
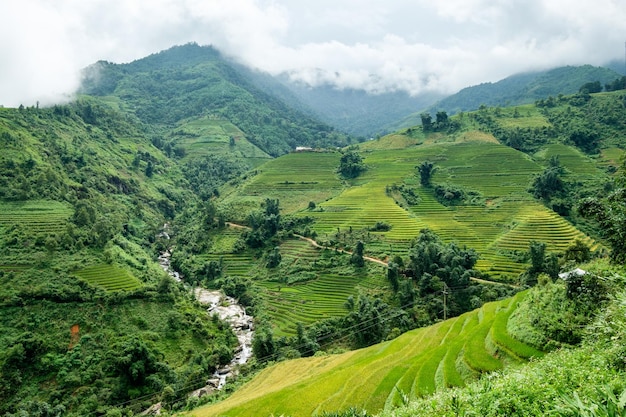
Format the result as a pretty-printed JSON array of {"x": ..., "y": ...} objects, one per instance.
[
  {"x": 357, "y": 256},
  {"x": 555, "y": 314},
  {"x": 207, "y": 173},
  {"x": 451, "y": 195},
  {"x": 435, "y": 266},
  {"x": 274, "y": 258},
  {"x": 426, "y": 170},
  {"x": 549, "y": 184},
  {"x": 617, "y": 84},
  {"x": 609, "y": 213},
  {"x": 591, "y": 87},
  {"x": 264, "y": 345},
  {"x": 441, "y": 124},
  {"x": 190, "y": 80},
  {"x": 578, "y": 252},
  {"x": 265, "y": 224},
  {"x": 351, "y": 164},
  {"x": 368, "y": 320}
]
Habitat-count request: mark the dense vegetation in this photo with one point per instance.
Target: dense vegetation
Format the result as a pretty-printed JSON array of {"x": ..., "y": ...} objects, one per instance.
[
  {"x": 329, "y": 249},
  {"x": 191, "y": 81},
  {"x": 86, "y": 313}
]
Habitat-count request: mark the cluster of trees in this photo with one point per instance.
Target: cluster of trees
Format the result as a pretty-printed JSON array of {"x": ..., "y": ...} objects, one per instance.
[
  {"x": 609, "y": 213},
  {"x": 596, "y": 86},
  {"x": 207, "y": 173},
  {"x": 351, "y": 164},
  {"x": 551, "y": 187},
  {"x": 442, "y": 123}
]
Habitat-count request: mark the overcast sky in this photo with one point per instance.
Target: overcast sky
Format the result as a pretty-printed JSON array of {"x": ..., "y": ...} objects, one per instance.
[{"x": 377, "y": 45}]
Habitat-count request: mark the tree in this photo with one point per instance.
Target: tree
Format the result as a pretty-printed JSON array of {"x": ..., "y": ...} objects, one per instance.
[
  {"x": 149, "y": 169},
  {"x": 426, "y": 170},
  {"x": 537, "y": 253},
  {"x": 274, "y": 258},
  {"x": 586, "y": 139},
  {"x": 263, "y": 345},
  {"x": 393, "y": 275},
  {"x": 357, "y": 256},
  {"x": 304, "y": 344},
  {"x": 610, "y": 214},
  {"x": 434, "y": 265},
  {"x": 134, "y": 360},
  {"x": 351, "y": 164},
  {"x": 578, "y": 252},
  {"x": 427, "y": 122},
  {"x": 591, "y": 87},
  {"x": 549, "y": 183},
  {"x": 366, "y": 320},
  {"x": 441, "y": 120}
]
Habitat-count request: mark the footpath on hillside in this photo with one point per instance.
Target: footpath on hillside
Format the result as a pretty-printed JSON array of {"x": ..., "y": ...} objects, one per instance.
[{"x": 315, "y": 244}]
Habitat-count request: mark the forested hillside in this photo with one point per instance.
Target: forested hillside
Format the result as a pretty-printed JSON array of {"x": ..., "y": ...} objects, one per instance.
[
  {"x": 192, "y": 81},
  {"x": 332, "y": 248},
  {"x": 519, "y": 89},
  {"x": 89, "y": 320}
]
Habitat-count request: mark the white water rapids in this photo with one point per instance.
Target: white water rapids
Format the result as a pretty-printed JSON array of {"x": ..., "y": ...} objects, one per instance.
[{"x": 228, "y": 310}]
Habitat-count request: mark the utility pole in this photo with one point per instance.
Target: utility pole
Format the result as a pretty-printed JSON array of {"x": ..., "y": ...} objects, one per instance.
[{"x": 445, "y": 305}]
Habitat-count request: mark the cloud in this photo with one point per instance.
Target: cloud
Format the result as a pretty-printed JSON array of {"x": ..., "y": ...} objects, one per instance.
[{"x": 411, "y": 45}]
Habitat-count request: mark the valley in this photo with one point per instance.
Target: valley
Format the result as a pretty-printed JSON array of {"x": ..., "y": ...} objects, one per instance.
[{"x": 375, "y": 273}]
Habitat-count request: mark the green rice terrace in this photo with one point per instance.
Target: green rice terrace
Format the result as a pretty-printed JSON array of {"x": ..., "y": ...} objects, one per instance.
[
  {"x": 447, "y": 354},
  {"x": 505, "y": 219},
  {"x": 38, "y": 217},
  {"x": 109, "y": 277},
  {"x": 376, "y": 274}
]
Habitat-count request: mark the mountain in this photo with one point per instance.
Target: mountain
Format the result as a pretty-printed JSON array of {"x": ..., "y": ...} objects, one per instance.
[
  {"x": 356, "y": 111},
  {"x": 525, "y": 88},
  {"x": 191, "y": 81},
  {"x": 185, "y": 151}
]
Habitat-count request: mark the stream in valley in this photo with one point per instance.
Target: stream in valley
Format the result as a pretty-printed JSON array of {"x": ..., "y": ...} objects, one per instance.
[{"x": 227, "y": 309}]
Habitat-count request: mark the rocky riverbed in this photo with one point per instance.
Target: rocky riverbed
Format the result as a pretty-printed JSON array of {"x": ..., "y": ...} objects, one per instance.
[{"x": 227, "y": 309}]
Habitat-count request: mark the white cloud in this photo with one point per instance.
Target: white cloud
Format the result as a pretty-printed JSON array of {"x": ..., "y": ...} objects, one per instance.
[{"x": 398, "y": 44}]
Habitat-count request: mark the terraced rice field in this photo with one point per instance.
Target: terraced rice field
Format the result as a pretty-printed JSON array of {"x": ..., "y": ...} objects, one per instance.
[
  {"x": 109, "y": 277},
  {"x": 294, "y": 179},
  {"x": 211, "y": 136},
  {"x": 415, "y": 364},
  {"x": 319, "y": 298},
  {"x": 508, "y": 221},
  {"x": 38, "y": 217},
  {"x": 234, "y": 264},
  {"x": 577, "y": 165},
  {"x": 535, "y": 222}
]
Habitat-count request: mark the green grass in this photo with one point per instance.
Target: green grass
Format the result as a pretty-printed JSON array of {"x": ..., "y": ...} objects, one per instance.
[
  {"x": 294, "y": 179},
  {"x": 320, "y": 295},
  {"x": 212, "y": 136},
  {"x": 109, "y": 277},
  {"x": 373, "y": 377},
  {"x": 36, "y": 216}
]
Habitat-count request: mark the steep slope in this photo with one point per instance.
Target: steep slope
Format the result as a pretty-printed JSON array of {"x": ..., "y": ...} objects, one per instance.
[
  {"x": 193, "y": 81},
  {"x": 519, "y": 89},
  {"x": 415, "y": 364},
  {"x": 88, "y": 319}
]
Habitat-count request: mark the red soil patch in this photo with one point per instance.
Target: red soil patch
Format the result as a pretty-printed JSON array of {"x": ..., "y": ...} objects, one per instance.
[{"x": 74, "y": 335}]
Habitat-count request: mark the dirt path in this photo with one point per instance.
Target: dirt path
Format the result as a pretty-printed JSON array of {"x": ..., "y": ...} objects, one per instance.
[{"x": 315, "y": 244}]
